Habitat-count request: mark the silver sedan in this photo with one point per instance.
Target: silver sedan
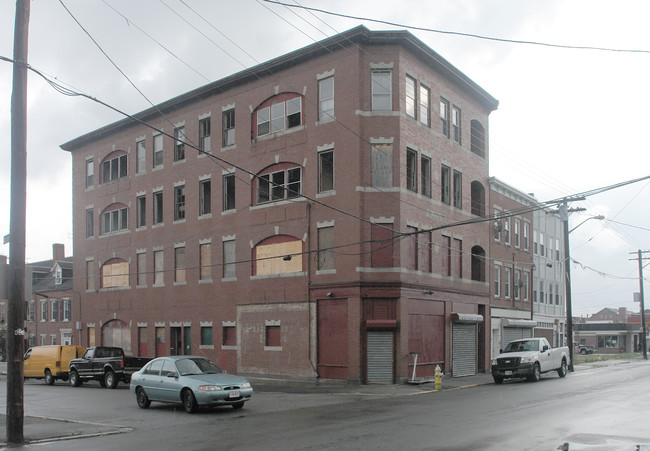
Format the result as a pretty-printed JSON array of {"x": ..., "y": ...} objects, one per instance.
[{"x": 192, "y": 381}]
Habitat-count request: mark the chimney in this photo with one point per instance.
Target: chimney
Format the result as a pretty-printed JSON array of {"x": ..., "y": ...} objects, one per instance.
[
  {"x": 58, "y": 251},
  {"x": 622, "y": 312}
]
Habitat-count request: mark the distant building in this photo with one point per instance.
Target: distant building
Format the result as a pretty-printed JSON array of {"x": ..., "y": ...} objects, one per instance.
[
  {"x": 49, "y": 314},
  {"x": 610, "y": 314},
  {"x": 549, "y": 305},
  {"x": 611, "y": 331}
]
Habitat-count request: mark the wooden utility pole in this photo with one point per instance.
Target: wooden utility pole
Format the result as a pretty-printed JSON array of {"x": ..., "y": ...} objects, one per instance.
[
  {"x": 16, "y": 282},
  {"x": 644, "y": 331}
]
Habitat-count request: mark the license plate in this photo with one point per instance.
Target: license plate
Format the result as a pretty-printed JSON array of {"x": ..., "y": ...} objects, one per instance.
[
  {"x": 234, "y": 394},
  {"x": 508, "y": 373}
]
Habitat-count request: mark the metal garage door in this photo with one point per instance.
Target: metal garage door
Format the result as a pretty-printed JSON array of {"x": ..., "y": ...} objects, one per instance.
[
  {"x": 463, "y": 344},
  {"x": 380, "y": 357},
  {"x": 514, "y": 333}
]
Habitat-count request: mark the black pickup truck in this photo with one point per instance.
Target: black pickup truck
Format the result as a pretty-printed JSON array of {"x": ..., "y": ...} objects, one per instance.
[{"x": 108, "y": 365}]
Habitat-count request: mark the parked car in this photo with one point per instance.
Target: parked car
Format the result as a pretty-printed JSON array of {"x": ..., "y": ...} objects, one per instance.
[
  {"x": 50, "y": 362},
  {"x": 583, "y": 349},
  {"x": 191, "y": 381},
  {"x": 529, "y": 358},
  {"x": 106, "y": 364}
]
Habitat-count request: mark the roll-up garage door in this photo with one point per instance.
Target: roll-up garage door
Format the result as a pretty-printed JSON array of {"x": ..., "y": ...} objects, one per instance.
[
  {"x": 463, "y": 349},
  {"x": 514, "y": 333},
  {"x": 380, "y": 357}
]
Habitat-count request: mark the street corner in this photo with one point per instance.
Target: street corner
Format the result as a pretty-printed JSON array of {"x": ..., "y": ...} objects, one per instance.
[{"x": 45, "y": 429}]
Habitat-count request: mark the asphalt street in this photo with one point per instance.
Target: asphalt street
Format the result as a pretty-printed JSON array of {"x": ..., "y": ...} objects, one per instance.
[{"x": 599, "y": 406}]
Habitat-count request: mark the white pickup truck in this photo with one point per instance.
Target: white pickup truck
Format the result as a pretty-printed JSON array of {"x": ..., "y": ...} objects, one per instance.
[{"x": 529, "y": 358}]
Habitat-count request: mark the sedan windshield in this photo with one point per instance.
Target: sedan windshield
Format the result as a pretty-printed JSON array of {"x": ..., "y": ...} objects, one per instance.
[
  {"x": 187, "y": 367},
  {"x": 519, "y": 346}
]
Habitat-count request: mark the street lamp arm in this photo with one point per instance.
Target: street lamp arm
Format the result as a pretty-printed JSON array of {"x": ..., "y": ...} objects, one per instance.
[{"x": 599, "y": 217}]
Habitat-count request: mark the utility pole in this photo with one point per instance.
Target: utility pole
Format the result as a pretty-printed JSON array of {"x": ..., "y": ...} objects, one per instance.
[
  {"x": 564, "y": 216},
  {"x": 16, "y": 282},
  {"x": 643, "y": 323}
]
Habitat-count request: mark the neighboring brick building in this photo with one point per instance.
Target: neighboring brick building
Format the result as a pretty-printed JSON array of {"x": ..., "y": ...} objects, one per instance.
[
  {"x": 511, "y": 265},
  {"x": 49, "y": 312},
  {"x": 297, "y": 241}
]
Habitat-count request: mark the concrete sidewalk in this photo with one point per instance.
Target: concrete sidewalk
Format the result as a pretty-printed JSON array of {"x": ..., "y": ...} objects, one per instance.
[{"x": 40, "y": 429}]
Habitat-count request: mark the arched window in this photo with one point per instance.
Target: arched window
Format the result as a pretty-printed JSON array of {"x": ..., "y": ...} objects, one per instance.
[
  {"x": 115, "y": 217},
  {"x": 280, "y": 112},
  {"x": 115, "y": 273},
  {"x": 478, "y": 138},
  {"x": 280, "y": 254},
  {"x": 478, "y": 198},
  {"x": 478, "y": 264},
  {"x": 114, "y": 166},
  {"x": 278, "y": 182},
  {"x": 117, "y": 333}
]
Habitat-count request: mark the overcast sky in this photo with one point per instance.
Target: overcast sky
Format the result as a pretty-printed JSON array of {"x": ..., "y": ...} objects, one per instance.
[{"x": 568, "y": 120}]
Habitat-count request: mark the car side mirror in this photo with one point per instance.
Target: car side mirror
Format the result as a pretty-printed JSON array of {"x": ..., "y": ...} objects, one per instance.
[
  {"x": 500, "y": 351},
  {"x": 172, "y": 374},
  {"x": 544, "y": 348}
]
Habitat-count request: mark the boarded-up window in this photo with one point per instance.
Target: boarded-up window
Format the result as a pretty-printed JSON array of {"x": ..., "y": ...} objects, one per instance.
[
  {"x": 278, "y": 258},
  {"x": 158, "y": 268},
  {"x": 205, "y": 255},
  {"x": 91, "y": 336},
  {"x": 273, "y": 336},
  {"x": 381, "y": 163},
  {"x": 179, "y": 264},
  {"x": 381, "y": 246},
  {"x": 117, "y": 333},
  {"x": 115, "y": 273},
  {"x": 229, "y": 259},
  {"x": 325, "y": 245},
  {"x": 142, "y": 268}
]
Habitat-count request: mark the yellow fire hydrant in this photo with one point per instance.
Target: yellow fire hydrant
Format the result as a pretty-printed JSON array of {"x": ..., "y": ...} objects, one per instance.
[{"x": 438, "y": 378}]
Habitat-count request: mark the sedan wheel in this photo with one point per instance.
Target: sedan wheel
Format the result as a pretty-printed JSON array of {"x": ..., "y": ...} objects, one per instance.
[
  {"x": 238, "y": 405},
  {"x": 189, "y": 401},
  {"x": 142, "y": 398}
]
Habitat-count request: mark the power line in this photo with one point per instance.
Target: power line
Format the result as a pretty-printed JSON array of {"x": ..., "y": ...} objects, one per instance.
[
  {"x": 130, "y": 22},
  {"x": 458, "y": 33}
]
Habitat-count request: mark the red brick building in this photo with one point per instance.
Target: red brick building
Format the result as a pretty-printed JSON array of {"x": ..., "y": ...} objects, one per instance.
[
  {"x": 297, "y": 218},
  {"x": 511, "y": 265}
]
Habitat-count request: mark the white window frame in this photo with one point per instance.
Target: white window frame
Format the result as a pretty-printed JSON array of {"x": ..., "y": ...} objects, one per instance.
[{"x": 382, "y": 99}]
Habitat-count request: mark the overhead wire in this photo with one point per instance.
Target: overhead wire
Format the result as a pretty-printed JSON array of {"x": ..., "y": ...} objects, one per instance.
[
  {"x": 457, "y": 33},
  {"x": 136, "y": 87}
]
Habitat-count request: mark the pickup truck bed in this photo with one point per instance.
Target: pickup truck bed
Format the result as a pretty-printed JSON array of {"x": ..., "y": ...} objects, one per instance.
[{"x": 108, "y": 365}]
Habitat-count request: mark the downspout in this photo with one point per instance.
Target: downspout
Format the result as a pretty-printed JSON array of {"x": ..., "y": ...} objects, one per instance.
[{"x": 309, "y": 303}]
